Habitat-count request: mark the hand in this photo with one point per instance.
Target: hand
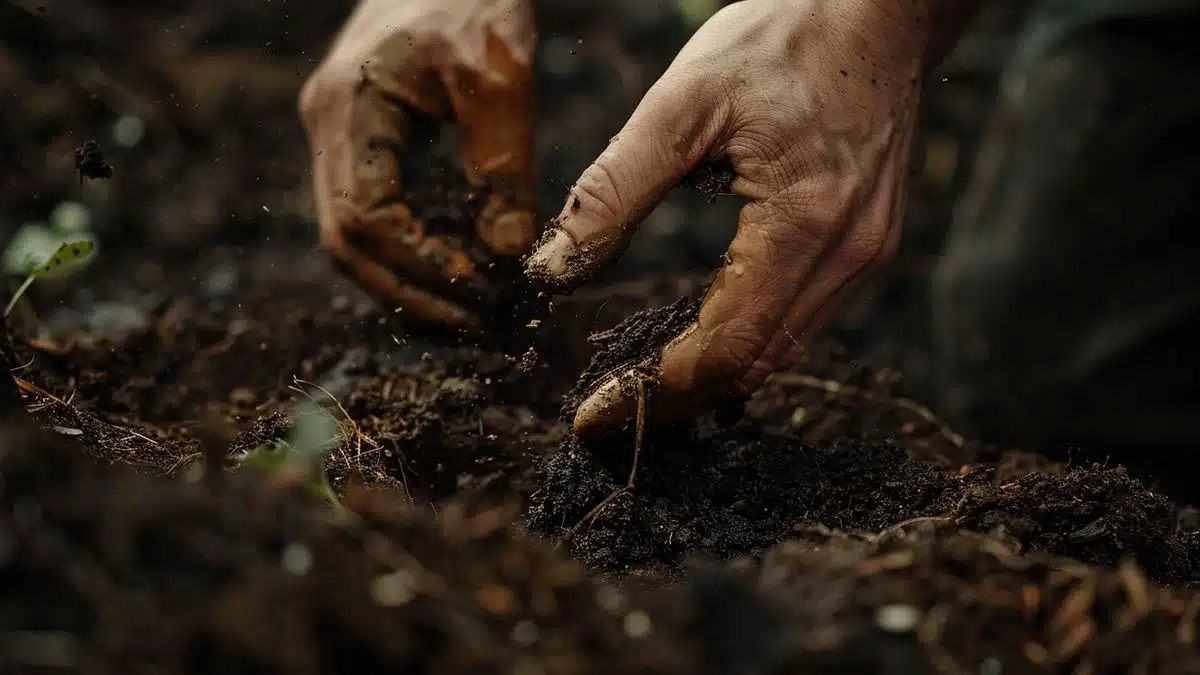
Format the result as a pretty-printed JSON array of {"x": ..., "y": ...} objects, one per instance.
[
  {"x": 466, "y": 60},
  {"x": 813, "y": 102}
]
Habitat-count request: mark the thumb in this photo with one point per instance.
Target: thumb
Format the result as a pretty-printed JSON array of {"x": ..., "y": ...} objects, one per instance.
[{"x": 669, "y": 133}]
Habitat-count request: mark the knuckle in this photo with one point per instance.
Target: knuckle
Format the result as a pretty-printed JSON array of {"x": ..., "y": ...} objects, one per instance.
[
  {"x": 307, "y": 102},
  {"x": 693, "y": 85},
  {"x": 323, "y": 90},
  {"x": 598, "y": 192}
]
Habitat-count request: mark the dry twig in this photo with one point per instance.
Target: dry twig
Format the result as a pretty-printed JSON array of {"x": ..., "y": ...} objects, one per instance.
[{"x": 842, "y": 389}]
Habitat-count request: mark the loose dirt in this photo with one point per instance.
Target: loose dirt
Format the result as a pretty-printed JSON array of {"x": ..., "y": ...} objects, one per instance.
[
  {"x": 829, "y": 522},
  {"x": 830, "y": 453},
  {"x": 109, "y": 571}
]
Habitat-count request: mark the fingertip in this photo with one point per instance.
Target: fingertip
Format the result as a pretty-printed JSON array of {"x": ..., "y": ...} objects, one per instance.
[
  {"x": 509, "y": 232},
  {"x": 612, "y": 405},
  {"x": 551, "y": 263},
  {"x": 584, "y": 238}
]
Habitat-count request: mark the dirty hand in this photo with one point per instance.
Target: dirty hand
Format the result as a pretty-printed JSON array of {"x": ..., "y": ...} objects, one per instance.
[
  {"x": 813, "y": 103},
  {"x": 469, "y": 61}
]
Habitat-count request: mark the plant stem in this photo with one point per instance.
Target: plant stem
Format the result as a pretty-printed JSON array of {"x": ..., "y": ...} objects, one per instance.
[{"x": 17, "y": 295}]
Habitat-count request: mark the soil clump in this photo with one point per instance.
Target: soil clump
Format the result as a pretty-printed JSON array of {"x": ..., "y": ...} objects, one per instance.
[{"x": 828, "y": 523}]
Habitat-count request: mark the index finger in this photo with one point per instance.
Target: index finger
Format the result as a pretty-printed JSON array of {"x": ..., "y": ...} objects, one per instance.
[{"x": 668, "y": 134}]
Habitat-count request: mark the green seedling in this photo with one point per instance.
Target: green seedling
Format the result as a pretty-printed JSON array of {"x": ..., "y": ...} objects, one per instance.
[
  {"x": 314, "y": 435},
  {"x": 68, "y": 254}
]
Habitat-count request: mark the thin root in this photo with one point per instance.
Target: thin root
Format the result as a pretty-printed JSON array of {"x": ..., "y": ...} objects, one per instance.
[
  {"x": 842, "y": 389},
  {"x": 639, "y": 436},
  {"x": 352, "y": 435}
]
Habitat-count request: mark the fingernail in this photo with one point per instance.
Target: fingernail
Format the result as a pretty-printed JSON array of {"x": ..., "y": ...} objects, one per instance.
[
  {"x": 611, "y": 405},
  {"x": 511, "y": 232},
  {"x": 549, "y": 261}
]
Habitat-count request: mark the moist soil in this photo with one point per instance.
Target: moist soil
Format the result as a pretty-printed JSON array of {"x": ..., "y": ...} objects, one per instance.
[
  {"x": 733, "y": 486},
  {"x": 829, "y": 522},
  {"x": 833, "y": 524}
]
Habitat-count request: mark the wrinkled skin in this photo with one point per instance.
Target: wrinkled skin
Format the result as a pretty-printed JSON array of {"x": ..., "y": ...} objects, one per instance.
[
  {"x": 467, "y": 62},
  {"x": 814, "y": 103}
]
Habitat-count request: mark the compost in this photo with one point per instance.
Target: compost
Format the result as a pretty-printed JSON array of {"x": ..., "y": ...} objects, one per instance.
[{"x": 829, "y": 522}]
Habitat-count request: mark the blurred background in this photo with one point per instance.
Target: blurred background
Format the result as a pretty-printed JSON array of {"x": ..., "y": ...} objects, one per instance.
[{"x": 194, "y": 103}]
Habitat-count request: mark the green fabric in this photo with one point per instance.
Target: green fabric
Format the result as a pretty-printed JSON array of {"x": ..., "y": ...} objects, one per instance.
[
  {"x": 1067, "y": 305},
  {"x": 1052, "y": 21},
  {"x": 1089, "y": 10}
]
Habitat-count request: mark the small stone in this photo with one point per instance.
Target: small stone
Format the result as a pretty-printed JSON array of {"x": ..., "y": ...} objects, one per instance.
[
  {"x": 296, "y": 559},
  {"x": 525, "y": 633},
  {"x": 393, "y": 590},
  {"x": 897, "y": 618},
  {"x": 638, "y": 624}
]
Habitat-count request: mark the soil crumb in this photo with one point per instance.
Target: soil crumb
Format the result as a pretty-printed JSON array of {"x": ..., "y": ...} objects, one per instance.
[
  {"x": 107, "y": 571},
  {"x": 110, "y": 572},
  {"x": 710, "y": 180}
]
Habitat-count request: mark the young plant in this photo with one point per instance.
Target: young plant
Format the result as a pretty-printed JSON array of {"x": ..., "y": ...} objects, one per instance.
[
  {"x": 314, "y": 435},
  {"x": 68, "y": 254}
]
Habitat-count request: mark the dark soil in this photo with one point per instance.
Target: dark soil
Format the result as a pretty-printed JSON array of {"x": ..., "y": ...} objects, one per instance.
[
  {"x": 734, "y": 490},
  {"x": 834, "y": 523},
  {"x": 106, "y": 571},
  {"x": 634, "y": 345},
  {"x": 711, "y": 180}
]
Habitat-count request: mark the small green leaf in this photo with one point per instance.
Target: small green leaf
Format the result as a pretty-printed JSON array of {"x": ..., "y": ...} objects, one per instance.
[
  {"x": 70, "y": 252},
  {"x": 314, "y": 434}
]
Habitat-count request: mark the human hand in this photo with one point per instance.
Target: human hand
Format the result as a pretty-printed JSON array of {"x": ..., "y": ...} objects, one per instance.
[
  {"x": 469, "y": 61},
  {"x": 813, "y": 102}
]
